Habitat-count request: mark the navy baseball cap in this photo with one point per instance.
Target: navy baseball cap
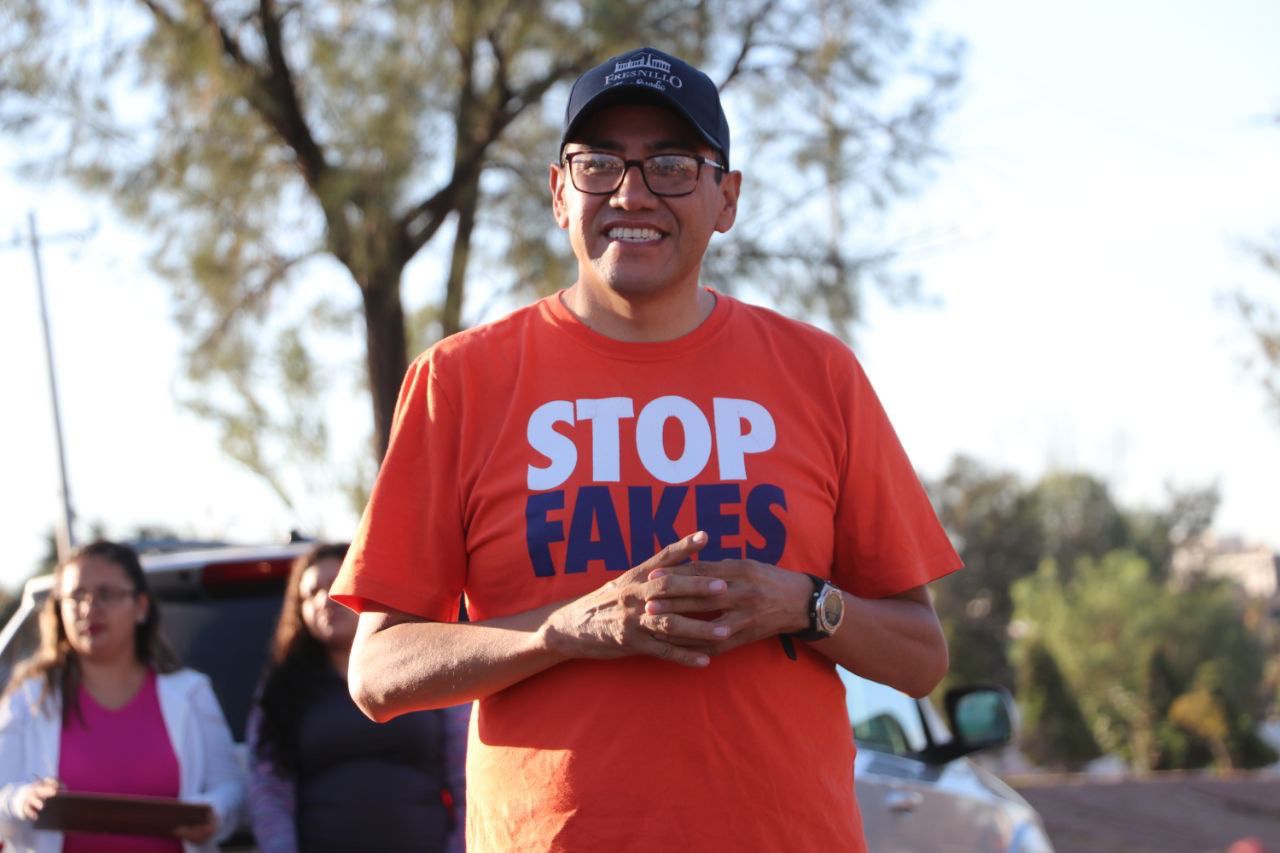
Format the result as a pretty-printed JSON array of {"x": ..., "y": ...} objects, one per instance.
[{"x": 649, "y": 76}]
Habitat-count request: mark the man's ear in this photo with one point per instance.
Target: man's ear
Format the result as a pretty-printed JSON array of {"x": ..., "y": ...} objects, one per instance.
[
  {"x": 556, "y": 181},
  {"x": 730, "y": 186}
]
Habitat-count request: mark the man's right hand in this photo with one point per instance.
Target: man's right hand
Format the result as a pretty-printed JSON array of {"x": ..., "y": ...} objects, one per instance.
[{"x": 611, "y": 622}]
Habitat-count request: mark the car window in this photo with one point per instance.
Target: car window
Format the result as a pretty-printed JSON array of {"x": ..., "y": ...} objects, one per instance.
[
  {"x": 883, "y": 718},
  {"x": 227, "y": 640},
  {"x": 22, "y": 642}
]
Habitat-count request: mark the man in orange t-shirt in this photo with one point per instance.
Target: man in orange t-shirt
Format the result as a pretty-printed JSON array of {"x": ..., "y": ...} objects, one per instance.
[{"x": 671, "y": 514}]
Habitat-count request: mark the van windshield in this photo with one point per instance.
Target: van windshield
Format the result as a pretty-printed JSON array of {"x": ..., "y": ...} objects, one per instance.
[{"x": 227, "y": 640}]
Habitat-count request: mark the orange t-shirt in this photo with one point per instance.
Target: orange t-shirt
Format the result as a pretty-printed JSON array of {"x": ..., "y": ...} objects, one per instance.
[{"x": 532, "y": 460}]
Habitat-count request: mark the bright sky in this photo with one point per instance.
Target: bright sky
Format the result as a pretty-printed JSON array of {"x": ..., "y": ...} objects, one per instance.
[{"x": 1107, "y": 164}]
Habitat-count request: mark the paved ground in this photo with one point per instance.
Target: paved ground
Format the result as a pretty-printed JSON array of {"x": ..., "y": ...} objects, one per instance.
[{"x": 1166, "y": 814}]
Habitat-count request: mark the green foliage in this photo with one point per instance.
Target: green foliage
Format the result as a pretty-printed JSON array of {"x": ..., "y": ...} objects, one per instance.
[
  {"x": 1105, "y": 647},
  {"x": 265, "y": 143},
  {"x": 995, "y": 523},
  {"x": 1200, "y": 713},
  {"x": 1164, "y": 677},
  {"x": 1099, "y": 626},
  {"x": 1054, "y": 730},
  {"x": 1004, "y": 528},
  {"x": 1260, "y": 315},
  {"x": 1078, "y": 517},
  {"x": 1155, "y": 535}
]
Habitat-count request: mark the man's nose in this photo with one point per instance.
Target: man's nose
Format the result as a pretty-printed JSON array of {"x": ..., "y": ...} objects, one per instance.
[{"x": 633, "y": 192}]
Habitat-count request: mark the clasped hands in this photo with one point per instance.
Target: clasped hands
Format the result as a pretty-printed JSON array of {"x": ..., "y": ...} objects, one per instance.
[{"x": 680, "y": 609}]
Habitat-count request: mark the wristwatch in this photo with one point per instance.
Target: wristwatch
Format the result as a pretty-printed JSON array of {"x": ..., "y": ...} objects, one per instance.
[{"x": 826, "y": 609}]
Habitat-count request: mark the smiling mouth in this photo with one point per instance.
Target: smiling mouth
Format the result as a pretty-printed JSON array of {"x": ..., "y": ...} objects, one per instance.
[{"x": 633, "y": 235}]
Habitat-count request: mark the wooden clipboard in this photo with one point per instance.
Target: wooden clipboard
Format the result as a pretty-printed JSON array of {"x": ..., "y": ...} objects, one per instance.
[{"x": 120, "y": 814}]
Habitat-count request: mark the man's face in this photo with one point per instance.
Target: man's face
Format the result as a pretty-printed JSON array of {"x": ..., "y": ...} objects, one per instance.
[{"x": 632, "y": 242}]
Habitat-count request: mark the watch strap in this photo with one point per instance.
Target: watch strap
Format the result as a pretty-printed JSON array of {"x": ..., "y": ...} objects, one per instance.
[{"x": 812, "y": 633}]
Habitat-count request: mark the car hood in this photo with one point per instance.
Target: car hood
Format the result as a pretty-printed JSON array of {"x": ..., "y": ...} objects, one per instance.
[{"x": 995, "y": 784}]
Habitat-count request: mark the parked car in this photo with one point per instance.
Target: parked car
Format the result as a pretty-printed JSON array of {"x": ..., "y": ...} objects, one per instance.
[{"x": 916, "y": 789}]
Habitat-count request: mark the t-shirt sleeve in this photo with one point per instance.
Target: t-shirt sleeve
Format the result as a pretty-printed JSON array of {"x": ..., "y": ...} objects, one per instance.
[
  {"x": 409, "y": 552},
  {"x": 887, "y": 537}
]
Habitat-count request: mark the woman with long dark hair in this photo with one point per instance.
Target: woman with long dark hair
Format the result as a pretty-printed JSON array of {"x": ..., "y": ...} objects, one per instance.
[
  {"x": 103, "y": 706},
  {"x": 322, "y": 775}
]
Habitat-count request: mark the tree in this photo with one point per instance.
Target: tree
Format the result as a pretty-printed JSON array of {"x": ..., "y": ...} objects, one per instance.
[
  {"x": 995, "y": 523},
  {"x": 1106, "y": 655},
  {"x": 1004, "y": 528},
  {"x": 1261, "y": 317},
  {"x": 1164, "y": 677},
  {"x": 1220, "y": 660},
  {"x": 1054, "y": 730},
  {"x": 1079, "y": 518},
  {"x": 261, "y": 141},
  {"x": 1100, "y": 627},
  {"x": 1156, "y": 535}
]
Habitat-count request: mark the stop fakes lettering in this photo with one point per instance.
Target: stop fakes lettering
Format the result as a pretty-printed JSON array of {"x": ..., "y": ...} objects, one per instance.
[{"x": 740, "y": 428}]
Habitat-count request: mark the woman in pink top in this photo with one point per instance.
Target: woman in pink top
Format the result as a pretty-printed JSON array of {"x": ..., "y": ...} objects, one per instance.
[{"x": 103, "y": 707}]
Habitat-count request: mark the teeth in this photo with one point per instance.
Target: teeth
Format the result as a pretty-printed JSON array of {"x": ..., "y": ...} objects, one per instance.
[{"x": 633, "y": 235}]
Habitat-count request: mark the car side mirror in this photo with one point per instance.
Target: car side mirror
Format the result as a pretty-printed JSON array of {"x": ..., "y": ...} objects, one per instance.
[{"x": 981, "y": 717}]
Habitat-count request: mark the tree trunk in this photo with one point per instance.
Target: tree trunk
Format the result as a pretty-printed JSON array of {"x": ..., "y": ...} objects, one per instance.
[
  {"x": 467, "y": 202},
  {"x": 387, "y": 349}
]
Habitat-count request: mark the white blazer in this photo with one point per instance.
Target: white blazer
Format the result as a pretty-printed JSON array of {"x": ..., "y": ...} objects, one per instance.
[{"x": 209, "y": 769}]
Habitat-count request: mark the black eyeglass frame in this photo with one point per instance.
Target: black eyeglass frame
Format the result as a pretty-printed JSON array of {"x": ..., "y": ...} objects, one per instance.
[{"x": 639, "y": 163}]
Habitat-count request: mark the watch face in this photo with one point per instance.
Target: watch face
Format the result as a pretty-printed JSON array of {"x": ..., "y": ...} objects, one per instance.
[{"x": 831, "y": 608}]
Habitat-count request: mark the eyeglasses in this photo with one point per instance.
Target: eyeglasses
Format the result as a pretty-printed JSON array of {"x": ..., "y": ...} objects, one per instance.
[
  {"x": 598, "y": 173},
  {"x": 104, "y": 595}
]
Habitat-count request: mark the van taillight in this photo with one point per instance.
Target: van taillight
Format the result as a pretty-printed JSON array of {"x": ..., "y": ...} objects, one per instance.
[{"x": 244, "y": 572}]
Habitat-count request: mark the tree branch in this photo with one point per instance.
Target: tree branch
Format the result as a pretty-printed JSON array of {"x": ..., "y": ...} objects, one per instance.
[
  {"x": 272, "y": 94},
  {"x": 291, "y": 124},
  {"x": 436, "y": 209},
  {"x": 748, "y": 42},
  {"x": 501, "y": 79},
  {"x": 275, "y": 273},
  {"x": 270, "y": 91}
]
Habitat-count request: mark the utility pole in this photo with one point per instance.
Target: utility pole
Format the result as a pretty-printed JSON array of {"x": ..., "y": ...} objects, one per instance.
[{"x": 66, "y": 537}]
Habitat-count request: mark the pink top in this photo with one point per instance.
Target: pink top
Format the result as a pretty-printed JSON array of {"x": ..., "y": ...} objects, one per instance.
[{"x": 121, "y": 751}]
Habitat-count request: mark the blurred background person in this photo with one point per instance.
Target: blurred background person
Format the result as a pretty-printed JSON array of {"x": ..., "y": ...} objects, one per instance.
[
  {"x": 325, "y": 777},
  {"x": 104, "y": 706}
]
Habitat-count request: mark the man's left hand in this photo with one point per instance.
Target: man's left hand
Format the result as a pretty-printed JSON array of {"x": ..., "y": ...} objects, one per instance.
[{"x": 761, "y": 600}]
